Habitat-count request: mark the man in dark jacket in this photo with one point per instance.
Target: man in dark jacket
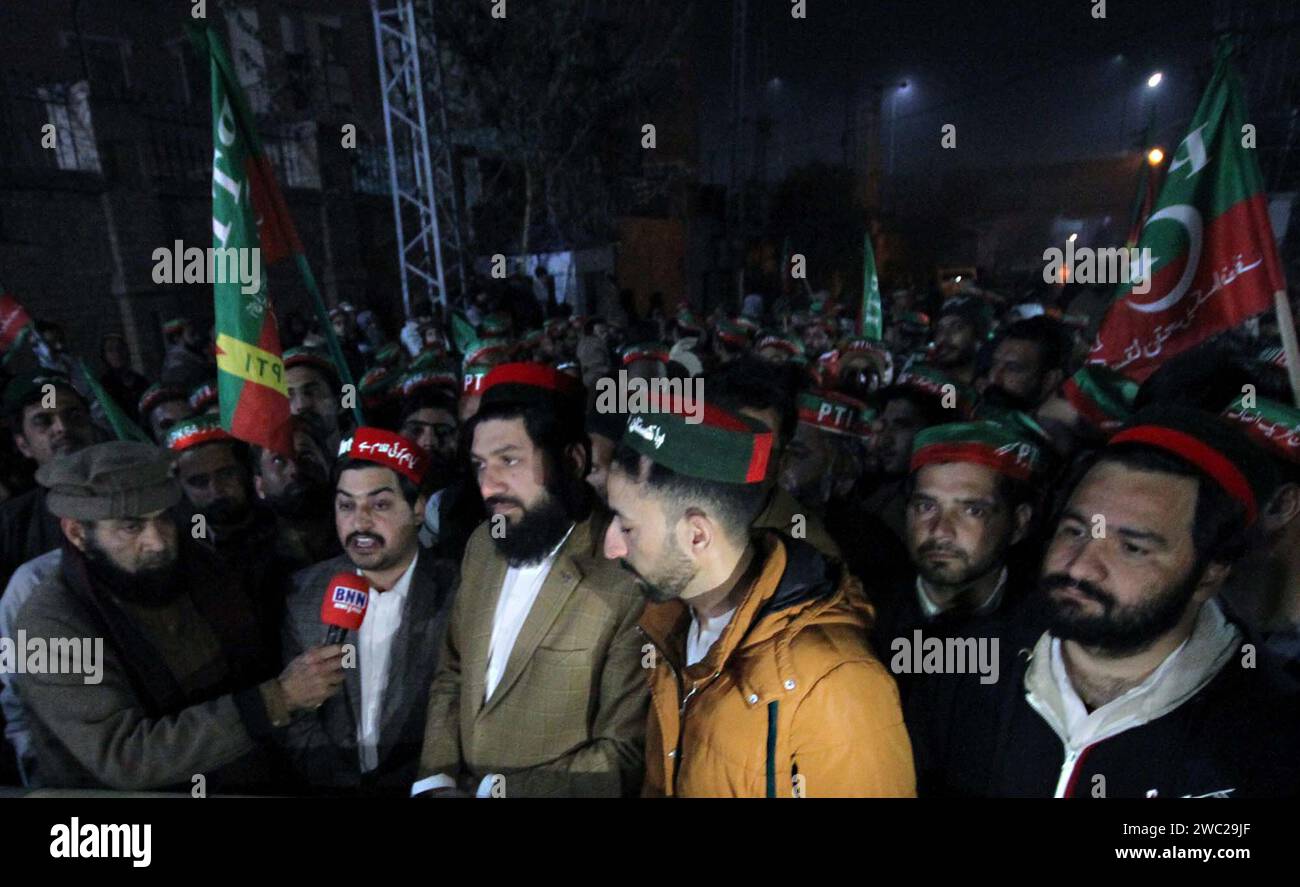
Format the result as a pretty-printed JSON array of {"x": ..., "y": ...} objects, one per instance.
[
  {"x": 368, "y": 738},
  {"x": 969, "y": 503},
  {"x": 1140, "y": 687},
  {"x": 163, "y": 682},
  {"x": 47, "y": 418}
]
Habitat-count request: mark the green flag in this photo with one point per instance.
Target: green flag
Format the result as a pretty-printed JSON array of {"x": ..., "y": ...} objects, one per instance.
[
  {"x": 1208, "y": 258},
  {"x": 121, "y": 424},
  {"x": 248, "y": 213},
  {"x": 873, "y": 315}
]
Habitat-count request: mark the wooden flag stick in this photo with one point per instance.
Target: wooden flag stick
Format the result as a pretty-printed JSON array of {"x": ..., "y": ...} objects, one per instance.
[{"x": 1286, "y": 325}]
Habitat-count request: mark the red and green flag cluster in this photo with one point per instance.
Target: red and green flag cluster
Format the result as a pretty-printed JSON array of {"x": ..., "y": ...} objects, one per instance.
[{"x": 15, "y": 327}]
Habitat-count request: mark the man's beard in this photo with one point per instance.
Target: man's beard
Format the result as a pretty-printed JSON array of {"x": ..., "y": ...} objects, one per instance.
[
  {"x": 538, "y": 531},
  {"x": 668, "y": 583},
  {"x": 959, "y": 570},
  {"x": 301, "y": 500},
  {"x": 155, "y": 582},
  {"x": 1118, "y": 630},
  {"x": 999, "y": 398},
  {"x": 226, "y": 511}
]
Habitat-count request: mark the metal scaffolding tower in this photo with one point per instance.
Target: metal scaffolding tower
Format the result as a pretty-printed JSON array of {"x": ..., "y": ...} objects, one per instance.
[{"x": 425, "y": 209}]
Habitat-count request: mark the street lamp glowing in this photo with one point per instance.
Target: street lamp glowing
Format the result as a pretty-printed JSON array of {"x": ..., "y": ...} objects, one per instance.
[
  {"x": 1155, "y": 157},
  {"x": 1154, "y": 80}
]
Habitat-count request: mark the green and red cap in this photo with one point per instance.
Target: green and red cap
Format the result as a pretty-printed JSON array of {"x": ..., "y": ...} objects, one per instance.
[
  {"x": 174, "y": 326},
  {"x": 387, "y": 449},
  {"x": 486, "y": 351},
  {"x": 156, "y": 394},
  {"x": 311, "y": 358},
  {"x": 935, "y": 382},
  {"x": 377, "y": 387},
  {"x": 443, "y": 379},
  {"x": 1274, "y": 426},
  {"x": 1102, "y": 396},
  {"x": 192, "y": 432},
  {"x": 1217, "y": 447},
  {"x": 732, "y": 334},
  {"x": 471, "y": 382},
  {"x": 782, "y": 342},
  {"x": 433, "y": 357},
  {"x": 203, "y": 397},
  {"x": 720, "y": 447},
  {"x": 644, "y": 351},
  {"x": 1006, "y": 450},
  {"x": 530, "y": 383},
  {"x": 834, "y": 412}
]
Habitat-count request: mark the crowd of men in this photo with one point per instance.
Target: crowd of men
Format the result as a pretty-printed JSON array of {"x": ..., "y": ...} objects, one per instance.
[{"x": 958, "y": 560}]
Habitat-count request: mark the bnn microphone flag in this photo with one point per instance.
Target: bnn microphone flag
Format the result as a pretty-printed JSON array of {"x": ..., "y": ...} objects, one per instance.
[{"x": 344, "y": 606}]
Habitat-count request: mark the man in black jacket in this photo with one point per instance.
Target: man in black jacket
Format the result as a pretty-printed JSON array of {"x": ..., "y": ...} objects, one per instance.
[
  {"x": 970, "y": 501},
  {"x": 1140, "y": 687},
  {"x": 47, "y": 418}
]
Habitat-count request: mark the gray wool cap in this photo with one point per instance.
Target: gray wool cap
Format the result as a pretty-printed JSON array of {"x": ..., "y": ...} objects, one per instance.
[{"x": 118, "y": 479}]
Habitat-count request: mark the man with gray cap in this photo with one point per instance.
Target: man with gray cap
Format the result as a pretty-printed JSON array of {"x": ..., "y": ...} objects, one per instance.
[{"x": 177, "y": 683}]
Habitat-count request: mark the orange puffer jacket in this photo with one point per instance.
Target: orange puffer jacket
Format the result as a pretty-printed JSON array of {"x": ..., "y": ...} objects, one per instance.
[{"x": 789, "y": 702}]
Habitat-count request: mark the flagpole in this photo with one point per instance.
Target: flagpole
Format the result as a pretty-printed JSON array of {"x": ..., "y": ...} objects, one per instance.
[
  {"x": 327, "y": 327},
  {"x": 1286, "y": 326}
]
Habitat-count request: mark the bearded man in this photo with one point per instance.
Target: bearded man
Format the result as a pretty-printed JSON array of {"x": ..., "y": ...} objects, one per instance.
[
  {"x": 540, "y": 690},
  {"x": 1139, "y": 687}
]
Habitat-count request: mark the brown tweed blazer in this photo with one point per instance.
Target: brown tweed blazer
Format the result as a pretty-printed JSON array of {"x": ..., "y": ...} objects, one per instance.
[{"x": 568, "y": 716}]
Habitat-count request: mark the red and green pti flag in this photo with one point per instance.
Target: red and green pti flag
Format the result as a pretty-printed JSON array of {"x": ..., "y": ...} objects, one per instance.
[
  {"x": 15, "y": 327},
  {"x": 1213, "y": 258},
  {"x": 248, "y": 213},
  {"x": 873, "y": 314}
]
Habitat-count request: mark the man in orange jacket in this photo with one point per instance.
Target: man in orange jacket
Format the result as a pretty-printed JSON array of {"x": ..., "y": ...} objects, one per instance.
[{"x": 763, "y": 680}]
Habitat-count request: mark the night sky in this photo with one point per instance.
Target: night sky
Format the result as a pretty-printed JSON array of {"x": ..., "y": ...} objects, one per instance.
[{"x": 1024, "y": 81}]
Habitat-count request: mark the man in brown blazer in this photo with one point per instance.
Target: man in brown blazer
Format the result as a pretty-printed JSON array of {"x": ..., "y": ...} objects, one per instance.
[{"x": 540, "y": 689}]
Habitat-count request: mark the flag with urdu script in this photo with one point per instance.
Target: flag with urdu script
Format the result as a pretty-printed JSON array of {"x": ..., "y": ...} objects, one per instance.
[{"x": 1213, "y": 259}]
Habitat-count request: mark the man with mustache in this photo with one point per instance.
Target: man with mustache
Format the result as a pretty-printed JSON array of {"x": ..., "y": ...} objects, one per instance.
[
  {"x": 763, "y": 683},
  {"x": 182, "y": 686},
  {"x": 970, "y": 498},
  {"x": 541, "y": 689},
  {"x": 48, "y": 419},
  {"x": 213, "y": 470},
  {"x": 367, "y": 739},
  {"x": 1027, "y": 365},
  {"x": 313, "y": 385},
  {"x": 958, "y": 334},
  {"x": 1139, "y": 687},
  {"x": 428, "y": 417},
  {"x": 297, "y": 491}
]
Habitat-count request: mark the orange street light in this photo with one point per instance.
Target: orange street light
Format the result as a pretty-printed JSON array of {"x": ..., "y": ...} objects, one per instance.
[{"x": 1155, "y": 157}]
